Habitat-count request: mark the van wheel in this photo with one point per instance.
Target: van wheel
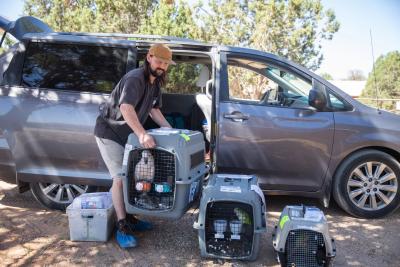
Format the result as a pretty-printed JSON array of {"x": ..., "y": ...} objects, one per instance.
[
  {"x": 367, "y": 184},
  {"x": 58, "y": 196}
]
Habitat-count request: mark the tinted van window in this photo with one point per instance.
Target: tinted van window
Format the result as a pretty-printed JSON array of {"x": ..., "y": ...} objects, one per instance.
[
  {"x": 73, "y": 67},
  {"x": 7, "y": 43}
]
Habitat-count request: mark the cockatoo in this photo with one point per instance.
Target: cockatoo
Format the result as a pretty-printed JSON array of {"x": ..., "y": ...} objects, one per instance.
[
  {"x": 242, "y": 215},
  {"x": 144, "y": 170}
]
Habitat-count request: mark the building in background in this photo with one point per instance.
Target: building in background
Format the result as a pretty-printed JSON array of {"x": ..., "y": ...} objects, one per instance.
[{"x": 353, "y": 88}]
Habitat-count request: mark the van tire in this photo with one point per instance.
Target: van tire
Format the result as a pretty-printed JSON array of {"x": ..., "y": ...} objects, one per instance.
[
  {"x": 361, "y": 189},
  {"x": 46, "y": 194}
]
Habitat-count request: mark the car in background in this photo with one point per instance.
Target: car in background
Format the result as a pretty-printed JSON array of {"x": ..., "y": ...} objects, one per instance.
[{"x": 261, "y": 114}]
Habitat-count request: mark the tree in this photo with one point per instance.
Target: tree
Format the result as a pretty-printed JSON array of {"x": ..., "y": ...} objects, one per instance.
[
  {"x": 171, "y": 19},
  {"x": 356, "y": 75},
  {"x": 326, "y": 76},
  {"x": 386, "y": 79},
  {"x": 175, "y": 19},
  {"x": 293, "y": 29},
  {"x": 91, "y": 15}
]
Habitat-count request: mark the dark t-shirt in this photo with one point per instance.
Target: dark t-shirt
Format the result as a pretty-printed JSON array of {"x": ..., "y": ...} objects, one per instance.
[{"x": 132, "y": 89}]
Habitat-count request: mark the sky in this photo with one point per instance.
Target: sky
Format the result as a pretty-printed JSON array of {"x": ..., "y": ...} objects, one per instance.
[{"x": 350, "y": 48}]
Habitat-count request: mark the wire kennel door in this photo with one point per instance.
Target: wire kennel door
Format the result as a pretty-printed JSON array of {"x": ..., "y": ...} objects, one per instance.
[
  {"x": 305, "y": 248},
  {"x": 229, "y": 229},
  {"x": 154, "y": 188}
]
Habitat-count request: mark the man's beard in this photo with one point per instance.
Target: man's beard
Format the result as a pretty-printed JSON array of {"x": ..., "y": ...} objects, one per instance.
[{"x": 157, "y": 74}]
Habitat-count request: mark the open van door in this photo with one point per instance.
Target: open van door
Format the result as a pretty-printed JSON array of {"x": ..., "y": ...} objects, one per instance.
[{"x": 22, "y": 26}]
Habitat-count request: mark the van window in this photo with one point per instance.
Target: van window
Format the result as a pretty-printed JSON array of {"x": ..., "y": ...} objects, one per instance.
[
  {"x": 259, "y": 83},
  {"x": 74, "y": 67},
  {"x": 338, "y": 104},
  {"x": 183, "y": 78},
  {"x": 7, "y": 43}
]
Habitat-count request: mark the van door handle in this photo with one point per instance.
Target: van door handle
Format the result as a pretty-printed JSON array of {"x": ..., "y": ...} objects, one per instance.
[{"x": 236, "y": 116}]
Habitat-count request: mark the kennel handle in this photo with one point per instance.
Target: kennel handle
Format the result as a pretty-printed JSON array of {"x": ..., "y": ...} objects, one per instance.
[{"x": 242, "y": 179}]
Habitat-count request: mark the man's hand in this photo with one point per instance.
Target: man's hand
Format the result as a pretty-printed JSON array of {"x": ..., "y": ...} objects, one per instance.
[
  {"x": 159, "y": 118},
  {"x": 130, "y": 116},
  {"x": 147, "y": 141}
]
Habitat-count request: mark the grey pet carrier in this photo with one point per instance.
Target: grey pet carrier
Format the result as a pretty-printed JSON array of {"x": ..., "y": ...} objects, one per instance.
[
  {"x": 231, "y": 217},
  {"x": 301, "y": 238},
  {"x": 163, "y": 181}
]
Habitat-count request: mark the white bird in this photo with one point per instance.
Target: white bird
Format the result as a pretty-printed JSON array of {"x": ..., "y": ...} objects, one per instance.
[{"x": 144, "y": 170}]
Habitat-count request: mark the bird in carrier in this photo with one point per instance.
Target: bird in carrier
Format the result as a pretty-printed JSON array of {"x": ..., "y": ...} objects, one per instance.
[
  {"x": 144, "y": 172},
  {"x": 152, "y": 183},
  {"x": 231, "y": 217},
  {"x": 165, "y": 180},
  {"x": 301, "y": 238}
]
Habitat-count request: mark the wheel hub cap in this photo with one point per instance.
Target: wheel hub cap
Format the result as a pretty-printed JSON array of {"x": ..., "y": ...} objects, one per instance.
[
  {"x": 372, "y": 185},
  {"x": 62, "y": 193}
]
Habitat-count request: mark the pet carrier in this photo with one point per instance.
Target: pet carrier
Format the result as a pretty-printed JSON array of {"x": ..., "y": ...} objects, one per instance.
[
  {"x": 231, "y": 217},
  {"x": 163, "y": 181},
  {"x": 301, "y": 238}
]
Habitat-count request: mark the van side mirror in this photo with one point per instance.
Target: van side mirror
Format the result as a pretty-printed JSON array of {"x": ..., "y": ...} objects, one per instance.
[{"x": 317, "y": 99}]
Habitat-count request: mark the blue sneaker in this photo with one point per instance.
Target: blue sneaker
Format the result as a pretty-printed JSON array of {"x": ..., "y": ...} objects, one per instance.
[
  {"x": 124, "y": 236},
  {"x": 138, "y": 225},
  {"x": 143, "y": 226}
]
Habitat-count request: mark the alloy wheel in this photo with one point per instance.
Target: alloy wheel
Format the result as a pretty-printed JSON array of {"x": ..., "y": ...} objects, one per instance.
[
  {"x": 62, "y": 193},
  {"x": 372, "y": 185}
]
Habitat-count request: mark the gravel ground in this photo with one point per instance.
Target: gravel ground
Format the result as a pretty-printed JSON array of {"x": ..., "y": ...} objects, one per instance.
[{"x": 31, "y": 235}]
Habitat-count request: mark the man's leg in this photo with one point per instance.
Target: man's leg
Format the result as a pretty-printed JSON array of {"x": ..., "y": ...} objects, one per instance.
[
  {"x": 118, "y": 198},
  {"x": 112, "y": 154}
]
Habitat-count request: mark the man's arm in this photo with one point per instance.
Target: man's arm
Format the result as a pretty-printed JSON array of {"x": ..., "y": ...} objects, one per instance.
[
  {"x": 159, "y": 118},
  {"x": 130, "y": 116}
]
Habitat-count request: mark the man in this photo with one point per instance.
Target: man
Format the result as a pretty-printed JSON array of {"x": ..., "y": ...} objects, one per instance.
[{"x": 134, "y": 98}]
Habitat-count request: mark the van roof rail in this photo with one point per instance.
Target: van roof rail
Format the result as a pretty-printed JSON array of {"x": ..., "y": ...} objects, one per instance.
[{"x": 137, "y": 37}]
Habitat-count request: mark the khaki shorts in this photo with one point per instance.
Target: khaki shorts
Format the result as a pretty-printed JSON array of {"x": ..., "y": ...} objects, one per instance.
[{"x": 112, "y": 154}]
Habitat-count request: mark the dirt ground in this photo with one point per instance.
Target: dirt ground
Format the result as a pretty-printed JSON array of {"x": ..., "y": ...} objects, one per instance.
[{"x": 31, "y": 235}]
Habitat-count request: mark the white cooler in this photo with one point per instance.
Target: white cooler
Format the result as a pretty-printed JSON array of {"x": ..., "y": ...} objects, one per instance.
[{"x": 91, "y": 217}]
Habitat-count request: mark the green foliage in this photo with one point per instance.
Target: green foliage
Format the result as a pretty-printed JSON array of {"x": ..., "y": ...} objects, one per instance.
[
  {"x": 183, "y": 77},
  {"x": 175, "y": 20},
  {"x": 171, "y": 20},
  {"x": 293, "y": 29},
  {"x": 326, "y": 76},
  {"x": 387, "y": 76},
  {"x": 225, "y": 22},
  {"x": 8, "y": 41},
  {"x": 90, "y": 15}
]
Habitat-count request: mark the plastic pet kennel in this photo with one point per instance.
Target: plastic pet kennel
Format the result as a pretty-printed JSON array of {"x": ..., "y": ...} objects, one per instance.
[
  {"x": 301, "y": 238},
  {"x": 231, "y": 217},
  {"x": 163, "y": 181}
]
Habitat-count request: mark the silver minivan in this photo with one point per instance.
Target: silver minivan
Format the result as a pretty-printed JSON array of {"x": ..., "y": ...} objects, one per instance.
[{"x": 260, "y": 114}]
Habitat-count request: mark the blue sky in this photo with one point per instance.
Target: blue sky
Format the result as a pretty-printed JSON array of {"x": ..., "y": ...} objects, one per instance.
[{"x": 351, "y": 46}]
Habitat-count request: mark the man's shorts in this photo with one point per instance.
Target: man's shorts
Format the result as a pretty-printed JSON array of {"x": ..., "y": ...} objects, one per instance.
[{"x": 112, "y": 154}]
